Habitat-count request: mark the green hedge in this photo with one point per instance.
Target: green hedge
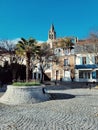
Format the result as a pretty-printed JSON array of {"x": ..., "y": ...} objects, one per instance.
[{"x": 26, "y": 84}]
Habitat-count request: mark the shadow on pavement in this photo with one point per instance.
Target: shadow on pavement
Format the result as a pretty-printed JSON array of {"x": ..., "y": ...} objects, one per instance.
[{"x": 57, "y": 96}]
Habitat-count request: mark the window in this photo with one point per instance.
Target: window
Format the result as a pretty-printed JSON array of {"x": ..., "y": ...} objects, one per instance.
[
  {"x": 96, "y": 59},
  {"x": 97, "y": 74},
  {"x": 94, "y": 75},
  {"x": 34, "y": 75},
  {"x": 88, "y": 75},
  {"x": 66, "y": 62},
  {"x": 83, "y": 60},
  {"x": 80, "y": 74},
  {"x": 84, "y": 75},
  {"x": 58, "y": 51},
  {"x": 66, "y": 51},
  {"x": 57, "y": 72}
]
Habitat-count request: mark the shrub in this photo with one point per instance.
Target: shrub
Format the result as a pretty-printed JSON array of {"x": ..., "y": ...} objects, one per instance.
[{"x": 26, "y": 83}]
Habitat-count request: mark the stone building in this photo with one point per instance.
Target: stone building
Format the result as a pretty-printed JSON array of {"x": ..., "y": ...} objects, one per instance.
[
  {"x": 64, "y": 68},
  {"x": 86, "y": 61}
]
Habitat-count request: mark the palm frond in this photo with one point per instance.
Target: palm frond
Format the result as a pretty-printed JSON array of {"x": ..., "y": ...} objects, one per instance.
[{"x": 23, "y": 40}]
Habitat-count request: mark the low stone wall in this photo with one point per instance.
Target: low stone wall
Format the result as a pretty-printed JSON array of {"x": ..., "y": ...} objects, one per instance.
[{"x": 23, "y": 95}]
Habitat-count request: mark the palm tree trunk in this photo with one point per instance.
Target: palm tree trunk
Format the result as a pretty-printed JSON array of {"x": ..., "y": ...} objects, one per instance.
[{"x": 27, "y": 67}]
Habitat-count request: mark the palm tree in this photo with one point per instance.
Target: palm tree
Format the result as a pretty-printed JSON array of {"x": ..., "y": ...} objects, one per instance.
[{"x": 27, "y": 48}]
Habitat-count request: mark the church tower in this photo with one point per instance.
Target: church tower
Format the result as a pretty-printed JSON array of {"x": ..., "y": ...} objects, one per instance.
[
  {"x": 52, "y": 33},
  {"x": 51, "y": 36}
]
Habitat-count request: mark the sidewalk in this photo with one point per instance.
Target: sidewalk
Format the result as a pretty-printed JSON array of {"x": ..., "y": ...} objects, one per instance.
[{"x": 66, "y": 84}]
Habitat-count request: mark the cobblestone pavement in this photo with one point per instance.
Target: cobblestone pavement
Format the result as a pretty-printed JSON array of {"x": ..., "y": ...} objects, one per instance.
[{"x": 78, "y": 113}]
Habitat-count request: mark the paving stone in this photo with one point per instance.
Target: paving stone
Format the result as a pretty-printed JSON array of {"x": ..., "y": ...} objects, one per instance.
[{"x": 78, "y": 113}]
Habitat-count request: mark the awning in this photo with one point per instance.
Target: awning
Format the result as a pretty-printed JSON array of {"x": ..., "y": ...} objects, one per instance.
[{"x": 93, "y": 66}]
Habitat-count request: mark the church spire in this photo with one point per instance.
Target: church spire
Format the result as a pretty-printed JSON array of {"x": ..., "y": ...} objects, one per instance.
[
  {"x": 52, "y": 33},
  {"x": 52, "y": 27}
]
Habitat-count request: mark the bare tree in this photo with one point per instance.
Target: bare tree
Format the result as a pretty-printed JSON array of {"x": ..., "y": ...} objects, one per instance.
[
  {"x": 7, "y": 51},
  {"x": 45, "y": 58},
  {"x": 8, "y": 58}
]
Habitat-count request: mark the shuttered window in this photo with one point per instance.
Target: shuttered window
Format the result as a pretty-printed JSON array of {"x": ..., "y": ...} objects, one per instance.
[
  {"x": 96, "y": 59},
  {"x": 83, "y": 60}
]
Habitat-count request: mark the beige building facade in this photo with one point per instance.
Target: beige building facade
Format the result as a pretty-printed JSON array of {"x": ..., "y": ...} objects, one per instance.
[{"x": 64, "y": 68}]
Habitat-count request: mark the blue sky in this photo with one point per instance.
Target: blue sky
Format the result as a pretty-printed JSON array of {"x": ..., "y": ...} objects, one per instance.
[{"x": 33, "y": 18}]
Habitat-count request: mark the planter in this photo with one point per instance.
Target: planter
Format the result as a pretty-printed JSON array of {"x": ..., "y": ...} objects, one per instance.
[{"x": 23, "y": 95}]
